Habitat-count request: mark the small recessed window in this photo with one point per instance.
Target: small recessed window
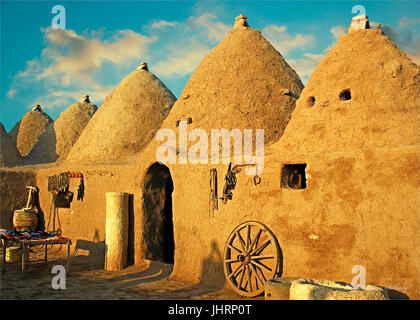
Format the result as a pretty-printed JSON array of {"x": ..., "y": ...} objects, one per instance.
[
  {"x": 293, "y": 176},
  {"x": 311, "y": 101},
  {"x": 345, "y": 95}
]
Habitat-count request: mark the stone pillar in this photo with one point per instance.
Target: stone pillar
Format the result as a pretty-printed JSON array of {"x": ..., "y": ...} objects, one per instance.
[{"x": 116, "y": 236}]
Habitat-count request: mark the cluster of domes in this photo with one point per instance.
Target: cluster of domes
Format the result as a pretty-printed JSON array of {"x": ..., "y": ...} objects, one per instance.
[{"x": 242, "y": 83}]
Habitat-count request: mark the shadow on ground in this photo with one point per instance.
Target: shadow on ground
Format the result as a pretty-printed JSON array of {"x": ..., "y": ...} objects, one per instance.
[{"x": 87, "y": 278}]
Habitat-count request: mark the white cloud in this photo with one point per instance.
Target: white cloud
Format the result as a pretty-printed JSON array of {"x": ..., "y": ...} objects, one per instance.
[
  {"x": 182, "y": 63},
  {"x": 72, "y": 64},
  {"x": 199, "y": 34},
  {"x": 305, "y": 65},
  {"x": 56, "y": 98},
  {"x": 283, "y": 41},
  {"x": 93, "y": 62},
  {"x": 11, "y": 93},
  {"x": 161, "y": 24},
  {"x": 338, "y": 31},
  {"x": 406, "y": 36},
  {"x": 214, "y": 29},
  {"x": 415, "y": 57},
  {"x": 73, "y": 57},
  {"x": 405, "y": 22}
]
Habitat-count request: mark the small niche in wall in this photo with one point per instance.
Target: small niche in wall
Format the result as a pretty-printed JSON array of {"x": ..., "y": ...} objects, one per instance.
[
  {"x": 345, "y": 95},
  {"x": 293, "y": 176},
  {"x": 311, "y": 101}
]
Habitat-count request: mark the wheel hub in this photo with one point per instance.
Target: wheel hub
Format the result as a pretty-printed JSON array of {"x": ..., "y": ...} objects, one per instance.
[
  {"x": 244, "y": 258},
  {"x": 251, "y": 256}
]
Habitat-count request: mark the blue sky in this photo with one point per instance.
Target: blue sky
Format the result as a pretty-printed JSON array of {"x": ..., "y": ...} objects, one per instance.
[{"x": 105, "y": 40}]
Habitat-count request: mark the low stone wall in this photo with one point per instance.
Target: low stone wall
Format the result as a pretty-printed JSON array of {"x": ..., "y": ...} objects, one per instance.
[{"x": 314, "y": 289}]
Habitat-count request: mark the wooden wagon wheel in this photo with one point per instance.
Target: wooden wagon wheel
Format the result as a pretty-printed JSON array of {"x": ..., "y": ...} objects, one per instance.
[{"x": 251, "y": 257}]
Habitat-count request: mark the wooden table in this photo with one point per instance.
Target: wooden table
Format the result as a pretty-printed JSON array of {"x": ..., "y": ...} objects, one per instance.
[{"x": 26, "y": 244}]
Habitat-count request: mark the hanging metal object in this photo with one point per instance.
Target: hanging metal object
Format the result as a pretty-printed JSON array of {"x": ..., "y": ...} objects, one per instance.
[
  {"x": 61, "y": 196},
  {"x": 214, "y": 204},
  {"x": 230, "y": 183},
  {"x": 230, "y": 180}
]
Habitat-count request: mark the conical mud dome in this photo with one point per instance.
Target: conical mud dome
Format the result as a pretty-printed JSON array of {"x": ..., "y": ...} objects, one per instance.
[
  {"x": 55, "y": 143},
  {"x": 127, "y": 121},
  {"x": 28, "y": 130},
  {"x": 364, "y": 94},
  {"x": 242, "y": 83},
  {"x": 9, "y": 153}
]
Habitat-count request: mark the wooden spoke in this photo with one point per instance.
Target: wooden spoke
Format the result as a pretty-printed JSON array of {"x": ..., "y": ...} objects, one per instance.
[
  {"x": 241, "y": 240},
  {"x": 262, "y": 273},
  {"x": 261, "y": 265},
  {"x": 257, "y": 276},
  {"x": 262, "y": 247},
  {"x": 255, "y": 242},
  {"x": 248, "y": 238},
  {"x": 262, "y": 257},
  {"x": 248, "y": 269},
  {"x": 242, "y": 278},
  {"x": 236, "y": 249},
  {"x": 249, "y": 278},
  {"x": 233, "y": 274}
]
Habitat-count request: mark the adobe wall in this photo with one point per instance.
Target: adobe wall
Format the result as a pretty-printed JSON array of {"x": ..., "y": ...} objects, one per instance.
[
  {"x": 13, "y": 194},
  {"x": 84, "y": 221},
  {"x": 359, "y": 208}
]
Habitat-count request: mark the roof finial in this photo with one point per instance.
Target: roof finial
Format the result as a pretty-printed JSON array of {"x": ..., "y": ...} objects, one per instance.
[
  {"x": 240, "y": 21},
  {"x": 37, "y": 107},
  {"x": 85, "y": 98},
  {"x": 359, "y": 22},
  {"x": 143, "y": 66}
]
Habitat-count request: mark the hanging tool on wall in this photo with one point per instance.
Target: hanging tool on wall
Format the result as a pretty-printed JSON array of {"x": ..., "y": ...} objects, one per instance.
[
  {"x": 230, "y": 180},
  {"x": 59, "y": 185},
  {"x": 213, "y": 205},
  {"x": 81, "y": 189},
  {"x": 54, "y": 212},
  {"x": 257, "y": 178},
  {"x": 230, "y": 183}
]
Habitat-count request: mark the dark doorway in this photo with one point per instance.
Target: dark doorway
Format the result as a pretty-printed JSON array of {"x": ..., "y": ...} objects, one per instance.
[{"x": 158, "y": 230}]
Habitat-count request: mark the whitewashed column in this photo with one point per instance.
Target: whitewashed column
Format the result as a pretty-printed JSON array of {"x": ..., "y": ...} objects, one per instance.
[{"x": 116, "y": 236}]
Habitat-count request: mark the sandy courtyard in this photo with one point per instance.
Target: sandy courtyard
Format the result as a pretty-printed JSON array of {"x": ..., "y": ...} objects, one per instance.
[{"x": 88, "y": 280}]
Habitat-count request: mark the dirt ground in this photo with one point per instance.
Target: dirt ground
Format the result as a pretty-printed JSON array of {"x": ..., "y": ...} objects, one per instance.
[{"x": 88, "y": 280}]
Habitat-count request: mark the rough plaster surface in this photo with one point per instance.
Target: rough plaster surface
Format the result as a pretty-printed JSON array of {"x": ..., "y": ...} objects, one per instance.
[
  {"x": 60, "y": 136},
  {"x": 9, "y": 155},
  {"x": 239, "y": 85},
  {"x": 384, "y": 106},
  {"x": 360, "y": 206},
  {"x": 13, "y": 193},
  {"x": 28, "y": 130},
  {"x": 126, "y": 121}
]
